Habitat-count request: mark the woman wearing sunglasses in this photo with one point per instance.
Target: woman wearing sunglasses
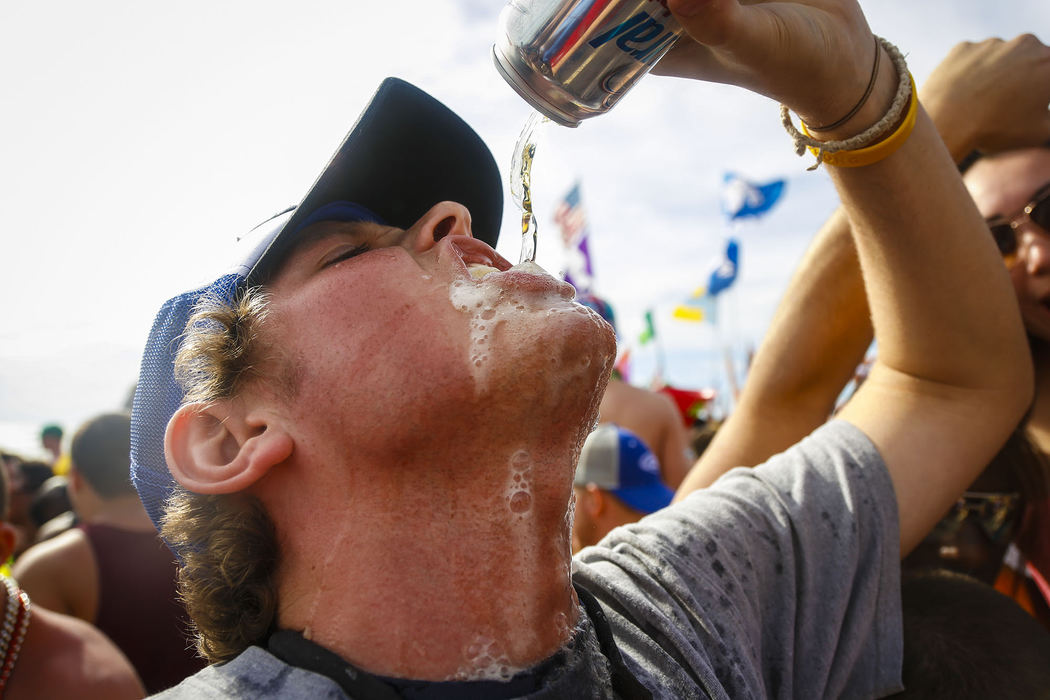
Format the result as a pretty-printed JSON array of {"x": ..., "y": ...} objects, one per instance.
[
  {"x": 1012, "y": 190},
  {"x": 985, "y": 98}
]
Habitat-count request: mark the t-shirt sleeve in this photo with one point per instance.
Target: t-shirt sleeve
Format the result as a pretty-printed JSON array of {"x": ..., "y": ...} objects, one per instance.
[{"x": 780, "y": 581}]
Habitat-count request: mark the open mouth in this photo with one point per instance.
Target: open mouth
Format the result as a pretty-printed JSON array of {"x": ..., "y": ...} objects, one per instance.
[
  {"x": 478, "y": 271},
  {"x": 479, "y": 259}
]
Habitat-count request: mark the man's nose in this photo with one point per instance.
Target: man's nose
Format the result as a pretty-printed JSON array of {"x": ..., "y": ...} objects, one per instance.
[
  {"x": 443, "y": 219},
  {"x": 1036, "y": 242}
]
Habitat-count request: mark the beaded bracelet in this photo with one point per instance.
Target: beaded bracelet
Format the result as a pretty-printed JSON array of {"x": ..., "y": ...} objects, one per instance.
[{"x": 864, "y": 147}]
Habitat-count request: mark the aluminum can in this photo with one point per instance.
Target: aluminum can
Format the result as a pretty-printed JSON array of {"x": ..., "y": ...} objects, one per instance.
[{"x": 575, "y": 59}]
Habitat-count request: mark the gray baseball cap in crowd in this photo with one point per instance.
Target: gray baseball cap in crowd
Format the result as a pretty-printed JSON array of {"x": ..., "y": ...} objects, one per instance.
[
  {"x": 616, "y": 460},
  {"x": 405, "y": 153}
]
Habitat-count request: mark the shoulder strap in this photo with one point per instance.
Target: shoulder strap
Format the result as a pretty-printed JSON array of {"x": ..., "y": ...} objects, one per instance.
[
  {"x": 624, "y": 683},
  {"x": 292, "y": 648}
]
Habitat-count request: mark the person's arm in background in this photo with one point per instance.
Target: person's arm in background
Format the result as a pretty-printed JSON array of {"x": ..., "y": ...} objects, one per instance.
[
  {"x": 674, "y": 451},
  {"x": 989, "y": 96},
  {"x": 953, "y": 374},
  {"x": 818, "y": 335}
]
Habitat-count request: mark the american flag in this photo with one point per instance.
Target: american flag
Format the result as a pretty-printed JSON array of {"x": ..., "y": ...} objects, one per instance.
[
  {"x": 571, "y": 217},
  {"x": 572, "y": 220}
]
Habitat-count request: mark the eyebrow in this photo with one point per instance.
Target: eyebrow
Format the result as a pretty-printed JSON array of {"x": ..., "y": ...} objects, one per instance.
[
  {"x": 311, "y": 235},
  {"x": 319, "y": 231}
]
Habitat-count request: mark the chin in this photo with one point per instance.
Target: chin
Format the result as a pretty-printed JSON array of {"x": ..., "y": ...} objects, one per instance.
[{"x": 1039, "y": 331}]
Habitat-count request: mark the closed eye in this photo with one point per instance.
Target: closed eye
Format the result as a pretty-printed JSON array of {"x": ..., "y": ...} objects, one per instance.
[{"x": 346, "y": 254}]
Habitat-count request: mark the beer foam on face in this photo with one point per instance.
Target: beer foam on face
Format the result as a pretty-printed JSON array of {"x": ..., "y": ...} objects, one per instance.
[{"x": 489, "y": 306}]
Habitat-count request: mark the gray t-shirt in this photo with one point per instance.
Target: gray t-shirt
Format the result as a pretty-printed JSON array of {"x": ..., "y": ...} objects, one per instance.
[
  {"x": 780, "y": 581},
  {"x": 776, "y": 582}
]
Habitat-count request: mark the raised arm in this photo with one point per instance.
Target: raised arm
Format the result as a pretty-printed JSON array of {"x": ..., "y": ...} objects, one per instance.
[
  {"x": 986, "y": 96},
  {"x": 953, "y": 374},
  {"x": 818, "y": 336}
]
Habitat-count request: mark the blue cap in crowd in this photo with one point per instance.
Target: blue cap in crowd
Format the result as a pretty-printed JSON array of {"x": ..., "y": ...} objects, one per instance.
[{"x": 618, "y": 461}]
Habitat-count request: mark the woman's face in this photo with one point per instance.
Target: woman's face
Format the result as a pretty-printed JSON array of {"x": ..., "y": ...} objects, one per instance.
[{"x": 1002, "y": 186}]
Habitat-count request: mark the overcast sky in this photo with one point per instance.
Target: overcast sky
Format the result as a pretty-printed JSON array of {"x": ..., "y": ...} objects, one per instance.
[{"x": 140, "y": 138}]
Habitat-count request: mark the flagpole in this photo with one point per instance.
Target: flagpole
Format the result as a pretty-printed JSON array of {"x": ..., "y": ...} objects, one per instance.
[
  {"x": 733, "y": 313},
  {"x": 714, "y": 355},
  {"x": 660, "y": 360}
]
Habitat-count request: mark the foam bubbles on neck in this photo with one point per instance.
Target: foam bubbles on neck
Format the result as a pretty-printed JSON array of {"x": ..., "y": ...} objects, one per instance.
[
  {"x": 519, "y": 490},
  {"x": 485, "y": 660}
]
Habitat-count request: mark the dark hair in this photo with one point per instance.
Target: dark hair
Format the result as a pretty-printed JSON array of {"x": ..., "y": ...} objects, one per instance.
[
  {"x": 50, "y": 501},
  {"x": 962, "y": 638},
  {"x": 1029, "y": 466},
  {"x": 100, "y": 453},
  {"x": 34, "y": 474}
]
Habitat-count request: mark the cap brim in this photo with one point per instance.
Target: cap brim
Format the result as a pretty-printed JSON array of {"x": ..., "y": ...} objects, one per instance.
[
  {"x": 406, "y": 153},
  {"x": 647, "y": 499}
]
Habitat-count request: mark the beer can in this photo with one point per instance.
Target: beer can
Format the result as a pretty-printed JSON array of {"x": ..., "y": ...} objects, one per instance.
[{"x": 575, "y": 59}]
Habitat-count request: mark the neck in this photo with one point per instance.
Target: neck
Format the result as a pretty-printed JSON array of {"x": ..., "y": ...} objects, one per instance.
[
  {"x": 449, "y": 565},
  {"x": 122, "y": 512}
]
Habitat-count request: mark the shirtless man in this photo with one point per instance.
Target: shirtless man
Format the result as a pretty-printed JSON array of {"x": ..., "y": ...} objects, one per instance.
[
  {"x": 61, "y": 656},
  {"x": 650, "y": 415},
  {"x": 112, "y": 570}
]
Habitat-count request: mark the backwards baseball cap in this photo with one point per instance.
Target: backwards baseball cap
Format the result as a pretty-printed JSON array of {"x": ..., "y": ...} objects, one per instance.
[
  {"x": 405, "y": 153},
  {"x": 616, "y": 460}
]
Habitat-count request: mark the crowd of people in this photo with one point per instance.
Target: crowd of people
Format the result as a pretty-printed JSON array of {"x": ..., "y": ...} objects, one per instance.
[{"x": 378, "y": 460}]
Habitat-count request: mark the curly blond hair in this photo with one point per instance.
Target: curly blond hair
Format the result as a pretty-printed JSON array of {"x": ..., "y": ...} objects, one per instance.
[{"x": 227, "y": 543}]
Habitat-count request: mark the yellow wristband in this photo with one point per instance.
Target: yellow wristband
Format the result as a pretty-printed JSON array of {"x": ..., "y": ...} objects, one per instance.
[{"x": 882, "y": 149}]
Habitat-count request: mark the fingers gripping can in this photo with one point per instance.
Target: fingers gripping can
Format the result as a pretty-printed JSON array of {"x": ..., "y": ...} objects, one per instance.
[{"x": 574, "y": 59}]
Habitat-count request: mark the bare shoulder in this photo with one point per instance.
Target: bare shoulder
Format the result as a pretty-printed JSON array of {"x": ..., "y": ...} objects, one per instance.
[
  {"x": 52, "y": 571},
  {"x": 70, "y": 546},
  {"x": 622, "y": 399},
  {"x": 66, "y": 657}
]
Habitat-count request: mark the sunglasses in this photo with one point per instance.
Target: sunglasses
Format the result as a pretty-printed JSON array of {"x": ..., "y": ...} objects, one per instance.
[
  {"x": 994, "y": 513},
  {"x": 1004, "y": 228}
]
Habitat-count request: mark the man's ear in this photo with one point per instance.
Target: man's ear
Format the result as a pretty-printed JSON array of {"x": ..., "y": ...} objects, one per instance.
[
  {"x": 76, "y": 479},
  {"x": 594, "y": 501},
  {"x": 221, "y": 447}
]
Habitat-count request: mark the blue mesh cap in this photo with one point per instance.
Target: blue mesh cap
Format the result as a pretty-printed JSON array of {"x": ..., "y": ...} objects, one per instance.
[
  {"x": 405, "y": 153},
  {"x": 618, "y": 461}
]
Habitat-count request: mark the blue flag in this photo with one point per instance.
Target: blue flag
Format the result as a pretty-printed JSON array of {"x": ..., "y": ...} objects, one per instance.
[
  {"x": 703, "y": 304},
  {"x": 723, "y": 276},
  {"x": 741, "y": 199}
]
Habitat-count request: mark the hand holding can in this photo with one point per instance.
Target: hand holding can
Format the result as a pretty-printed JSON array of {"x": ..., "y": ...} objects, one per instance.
[{"x": 575, "y": 60}]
